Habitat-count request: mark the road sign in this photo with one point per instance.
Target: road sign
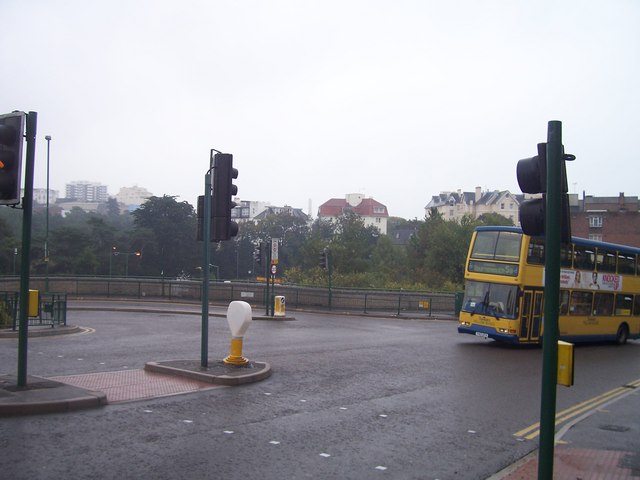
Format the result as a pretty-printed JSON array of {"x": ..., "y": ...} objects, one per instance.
[{"x": 274, "y": 269}]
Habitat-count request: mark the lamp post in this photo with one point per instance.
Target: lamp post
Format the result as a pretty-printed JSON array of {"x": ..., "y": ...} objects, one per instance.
[
  {"x": 112, "y": 252},
  {"x": 126, "y": 259},
  {"x": 46, "y": 232}
]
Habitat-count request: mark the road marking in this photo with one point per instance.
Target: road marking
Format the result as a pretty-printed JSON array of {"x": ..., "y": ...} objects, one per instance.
[{"x": 581, "y": 409}]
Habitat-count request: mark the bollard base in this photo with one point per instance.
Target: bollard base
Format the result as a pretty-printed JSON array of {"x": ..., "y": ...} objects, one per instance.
[{"x": 235, "y": 360}]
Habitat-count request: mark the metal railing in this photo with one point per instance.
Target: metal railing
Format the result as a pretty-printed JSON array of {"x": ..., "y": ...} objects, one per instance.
[
  {"x": 400, "y": 302},
  {"x": 52, "y": 310}
]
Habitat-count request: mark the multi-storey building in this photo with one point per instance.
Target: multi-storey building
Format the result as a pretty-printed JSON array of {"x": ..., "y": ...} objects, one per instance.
[
  {"x": 133, "y": 197},
  {"x": 84, "y": 191},
  {"x": 610, "y": 219},
  {"x": 455, "y": 205},
  {"x": 40, "y": 196},
  {"x": 251, "y": 210},
  {"x": 371, "y": 211}
]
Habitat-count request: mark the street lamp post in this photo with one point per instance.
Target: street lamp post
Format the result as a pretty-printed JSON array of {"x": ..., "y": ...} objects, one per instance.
[
  {"x": 46, "y": 234},
  {"x": 112, "y": 252},
  {"x": 126, "y": 259}
]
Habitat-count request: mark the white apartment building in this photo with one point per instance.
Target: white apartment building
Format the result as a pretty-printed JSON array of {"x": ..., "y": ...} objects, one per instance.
[
  {"x": 84, "y": 191},
  {"x": 455, "y": 205},
  {"x": 133, "y": 197}
]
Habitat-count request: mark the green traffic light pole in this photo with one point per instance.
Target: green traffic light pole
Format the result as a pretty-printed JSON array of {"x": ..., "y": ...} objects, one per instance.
[
  {"x": 552, "y": 299},
  {"x": 27, "y": 206},
  {"x": 267, "y": 277},
  {"x": 206, "y": 237},
  {"x": 329, "y": 258}
]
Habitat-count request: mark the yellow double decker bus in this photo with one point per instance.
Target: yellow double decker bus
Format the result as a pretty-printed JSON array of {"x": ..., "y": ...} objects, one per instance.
[{"x": 504, "y": 289}]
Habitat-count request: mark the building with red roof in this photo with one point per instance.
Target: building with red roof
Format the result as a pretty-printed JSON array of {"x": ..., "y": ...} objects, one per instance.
[{"x": 370, "y": 210}]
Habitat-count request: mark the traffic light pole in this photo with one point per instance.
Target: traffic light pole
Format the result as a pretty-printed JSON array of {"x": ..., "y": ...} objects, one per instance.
[
  {"x": 551, "y": 299},
  {"x": 27, "y": 206},
  {"x": 267, "y": 277},
  {"x": 206, "y": 237}
]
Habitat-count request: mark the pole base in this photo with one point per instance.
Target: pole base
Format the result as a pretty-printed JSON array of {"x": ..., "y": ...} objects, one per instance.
[{"x": 235, "y": 360}]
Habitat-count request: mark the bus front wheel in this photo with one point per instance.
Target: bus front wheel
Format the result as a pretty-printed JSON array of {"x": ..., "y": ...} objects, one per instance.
[{"x": 623, "y": 334}]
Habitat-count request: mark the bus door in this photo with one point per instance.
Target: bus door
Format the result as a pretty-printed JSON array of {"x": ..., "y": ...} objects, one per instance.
[{"x": 531, "y": 320}]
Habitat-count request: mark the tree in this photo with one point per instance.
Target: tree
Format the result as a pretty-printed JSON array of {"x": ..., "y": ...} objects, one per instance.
[
  {"x": 72, "y": 245},
  {"x": 165, "y": 234},
  {"x": 353, "y": 244},
  {"x": 494, "y": 219},
  {"x": 389, "y": 263},
  {"x": 8, "y": 244}
]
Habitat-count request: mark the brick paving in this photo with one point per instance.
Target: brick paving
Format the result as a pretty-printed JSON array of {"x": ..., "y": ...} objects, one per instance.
[
  {"x": 579, "y": 464},
  {"x": 129, "y": 385}
]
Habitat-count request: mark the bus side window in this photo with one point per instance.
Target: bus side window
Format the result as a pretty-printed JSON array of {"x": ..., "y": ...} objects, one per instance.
[
  {"x": 566, "y": 255},
  {"x": 626, "y": 263},
  {"x": 624, "y": 302},
  {"x": 636, "y": 305},
  {"x": 603, "y": 304},
  {"x": 564, "y": 302},
  {"x": 584, "y": 258},
  {"x": 580, "y": 303},
  {"x": 535, "y": 254},
  {"x": 606, "y": 260}
]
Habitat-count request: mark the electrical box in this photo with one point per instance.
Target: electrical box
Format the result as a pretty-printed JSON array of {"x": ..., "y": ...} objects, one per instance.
[
  {"x": 565, "y": 363},
  {"x": 33, "y": 309},
  {"x": 279, "y": 306}
]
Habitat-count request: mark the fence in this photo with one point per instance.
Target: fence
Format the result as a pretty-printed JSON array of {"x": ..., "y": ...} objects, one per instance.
[
  {"x": 297, "y": 297},
  {"x": 52, "y": 310}
]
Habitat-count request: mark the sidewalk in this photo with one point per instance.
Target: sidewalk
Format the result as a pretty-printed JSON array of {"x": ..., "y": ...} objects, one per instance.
[{"x": 603, "y": 445}]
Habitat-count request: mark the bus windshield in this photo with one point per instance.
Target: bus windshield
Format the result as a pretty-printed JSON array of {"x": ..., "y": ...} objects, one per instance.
[
  {"x": 497, "y": 245},
  {"x": 493, "y": 299}
]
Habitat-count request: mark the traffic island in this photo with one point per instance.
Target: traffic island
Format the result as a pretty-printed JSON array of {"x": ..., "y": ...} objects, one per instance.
[
  {"x": 43, "y": 331},
  {"x": 42, "y": 395},
  {"x": 218, "y": 372}
]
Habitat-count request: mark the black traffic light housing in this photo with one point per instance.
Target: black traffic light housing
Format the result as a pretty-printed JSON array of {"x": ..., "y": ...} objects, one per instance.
[
  {"x": 323, "y": 260},
  {"x": 200, "y": 218},
  {"x": 258, "y": 253},
  {"x": 222, "y": 227},
  {"x": 11, "y": 142},
  {"x": 532, "y": 178}
]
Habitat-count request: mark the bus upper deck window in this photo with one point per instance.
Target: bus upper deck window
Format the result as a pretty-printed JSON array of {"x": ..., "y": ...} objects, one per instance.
[
  {"x": 535, "y": 253},
  {"x": 583, "y": 258},
  {"x": 566, "y": 255},
  {"x": 626, "y": 263}
]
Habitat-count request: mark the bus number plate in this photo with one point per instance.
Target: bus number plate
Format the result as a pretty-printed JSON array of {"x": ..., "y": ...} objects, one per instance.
[{"x": 482, "y": 335}]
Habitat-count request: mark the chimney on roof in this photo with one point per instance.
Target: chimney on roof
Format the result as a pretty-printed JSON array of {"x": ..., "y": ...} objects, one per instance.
[{"x": 478, "y": 194}]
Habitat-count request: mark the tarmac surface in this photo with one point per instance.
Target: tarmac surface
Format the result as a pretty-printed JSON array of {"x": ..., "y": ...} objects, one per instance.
[{"x": 602, "y": 444}]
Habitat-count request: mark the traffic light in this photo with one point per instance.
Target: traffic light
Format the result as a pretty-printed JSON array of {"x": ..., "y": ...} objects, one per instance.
[
  {"x": 222, "y": 227},
  {"x": 258, "y": 253},
  {"x": 532, "y": 178},
  {"x": 323, "y": 261},
  {"x": 200, "y": 218},
  {"x": 11, "y": 141}
]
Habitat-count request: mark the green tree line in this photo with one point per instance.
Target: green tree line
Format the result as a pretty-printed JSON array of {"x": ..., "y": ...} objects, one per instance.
[{"x": 159, "y": 239}]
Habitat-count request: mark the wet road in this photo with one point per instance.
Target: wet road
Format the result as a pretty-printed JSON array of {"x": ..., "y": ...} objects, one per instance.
[{"x": 350, "y": 397}]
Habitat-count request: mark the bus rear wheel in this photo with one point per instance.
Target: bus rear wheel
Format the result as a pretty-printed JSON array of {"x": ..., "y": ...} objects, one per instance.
[{"x": 623, "y": 334}]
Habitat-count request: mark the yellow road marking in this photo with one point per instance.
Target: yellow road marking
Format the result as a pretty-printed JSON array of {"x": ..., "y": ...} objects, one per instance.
[{"x": 533, "y": 431}]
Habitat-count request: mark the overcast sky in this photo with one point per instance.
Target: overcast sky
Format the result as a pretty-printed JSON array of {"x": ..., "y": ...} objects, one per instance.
[{"x": 398, "y": 100}]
